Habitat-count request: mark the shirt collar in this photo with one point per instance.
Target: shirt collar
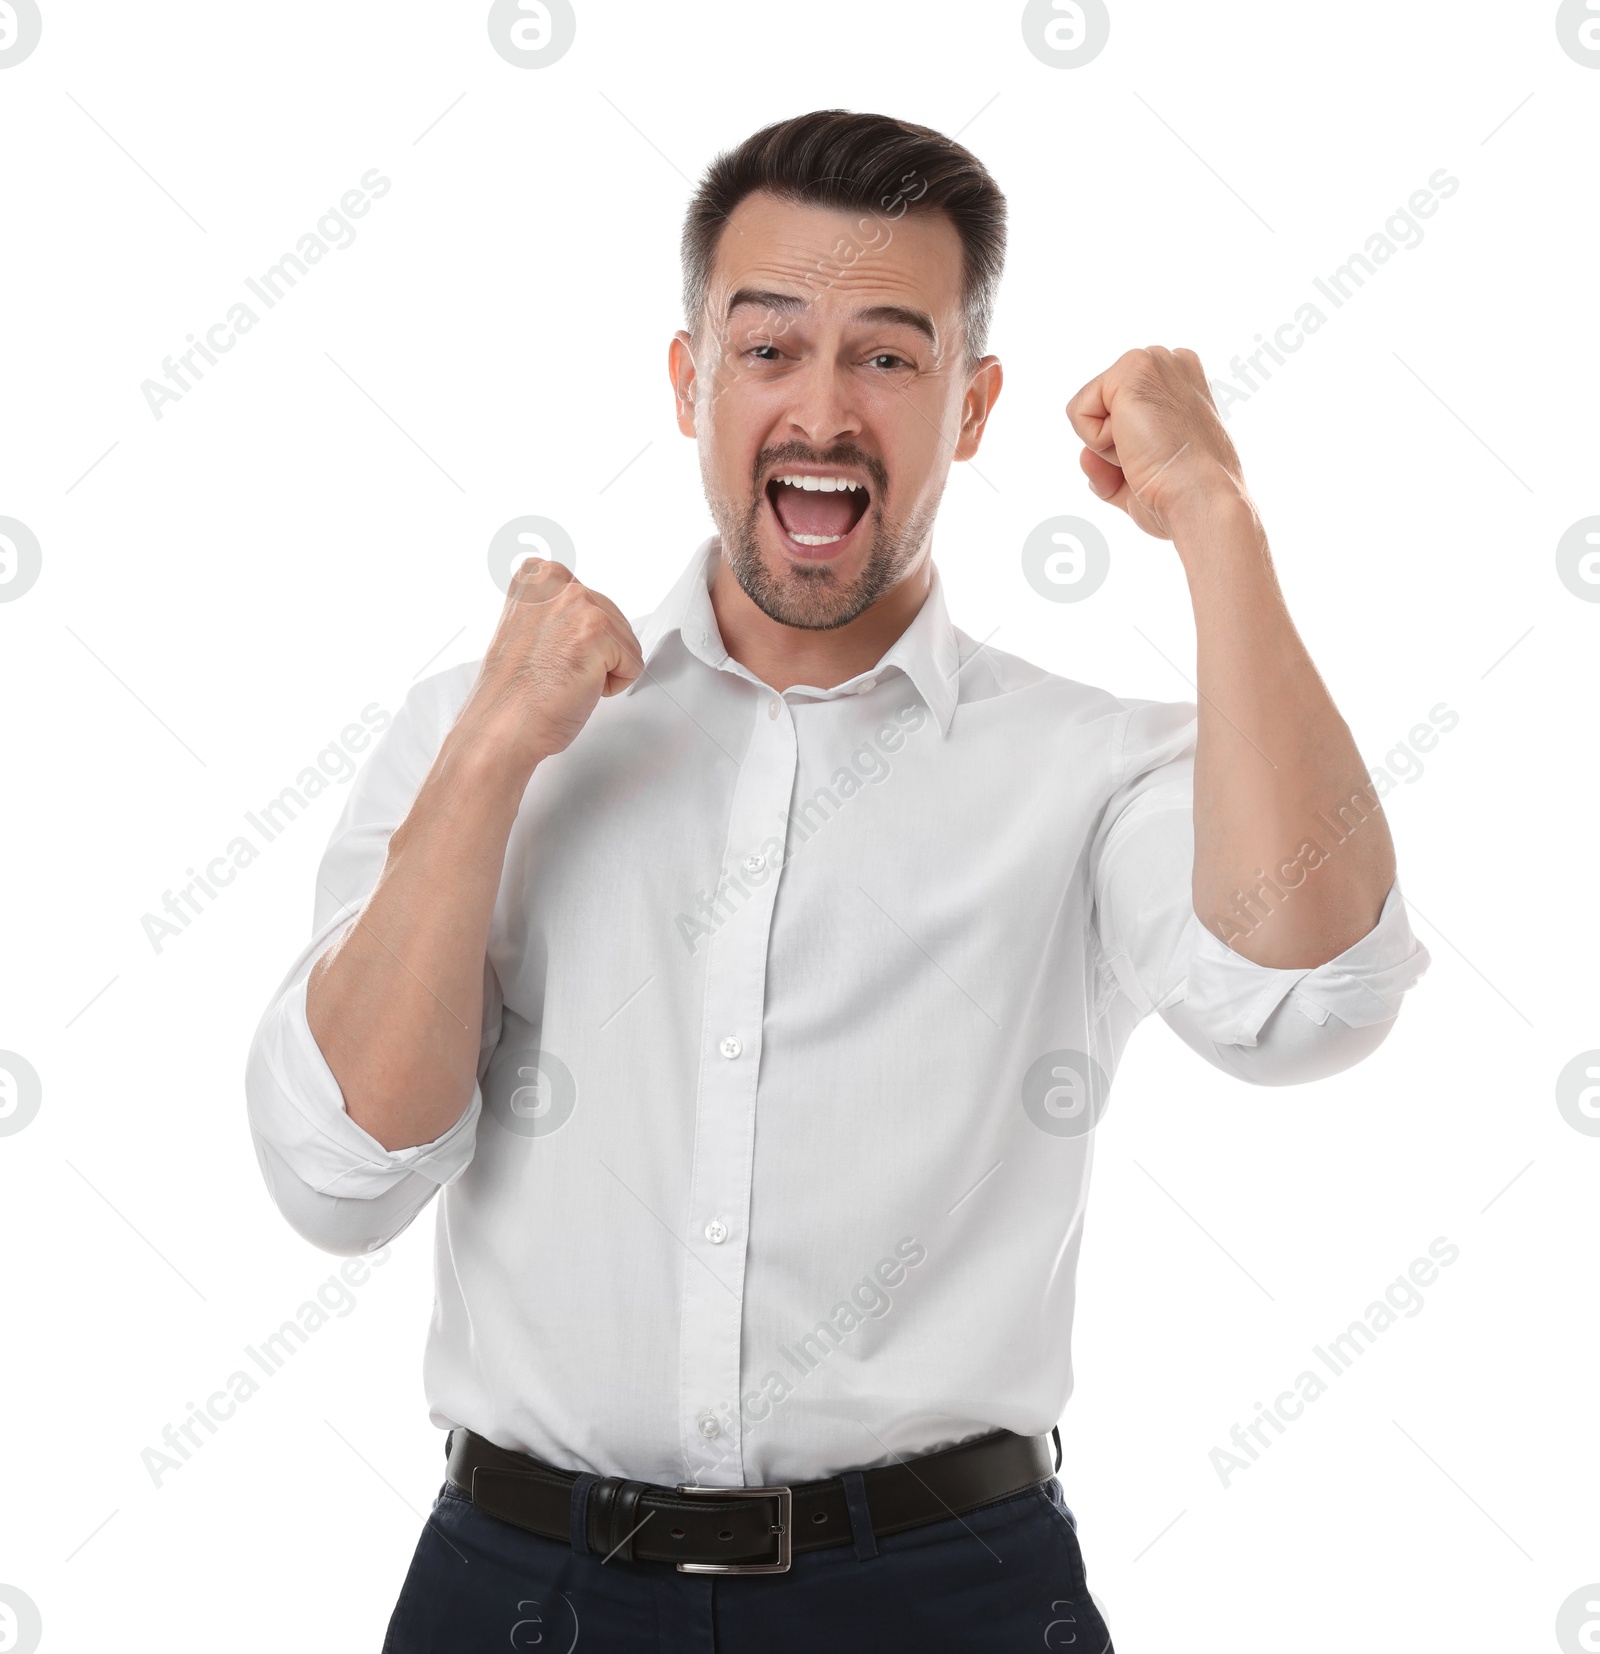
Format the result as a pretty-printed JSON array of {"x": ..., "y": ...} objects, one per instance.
[{"x": 927, "y": 651}]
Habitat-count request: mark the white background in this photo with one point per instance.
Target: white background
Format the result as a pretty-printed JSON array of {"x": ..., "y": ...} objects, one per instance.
[{"x": 305, "y": 534}]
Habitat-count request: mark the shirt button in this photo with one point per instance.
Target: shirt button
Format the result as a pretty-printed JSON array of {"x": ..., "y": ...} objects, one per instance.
[
  {"x": 754, "y": 864},
  {"x": 772, "y": 708},
  {"x": 730, "y": 1047},
  {"x": 867, "y": 686},
  {"x": 708, "y": 1425},
  {"x": 716, "y": 1231}
]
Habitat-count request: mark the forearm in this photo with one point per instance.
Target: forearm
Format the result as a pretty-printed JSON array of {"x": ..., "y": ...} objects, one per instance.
[
  {"x": 1293, "y": 856},
  {"x": 396, "y": 1005}
]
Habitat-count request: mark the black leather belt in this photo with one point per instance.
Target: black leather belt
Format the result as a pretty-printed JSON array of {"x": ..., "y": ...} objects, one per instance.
[{"x": 743, "y": 1530}]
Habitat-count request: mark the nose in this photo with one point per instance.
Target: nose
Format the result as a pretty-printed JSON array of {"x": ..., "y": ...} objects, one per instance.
[{"x": 823, "y": 410}]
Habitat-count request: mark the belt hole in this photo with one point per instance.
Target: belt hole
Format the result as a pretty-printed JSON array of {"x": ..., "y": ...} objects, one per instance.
[
  {"x": 727, "y": 1533},
  {"x": 677, "y": 1533},
  {"x": 821, "y": 1516}
]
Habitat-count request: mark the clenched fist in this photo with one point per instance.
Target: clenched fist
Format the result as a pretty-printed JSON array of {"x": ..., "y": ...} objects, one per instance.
[
  {"x": 558, "y": 648},
  {"x": 1154, "y": 443}
]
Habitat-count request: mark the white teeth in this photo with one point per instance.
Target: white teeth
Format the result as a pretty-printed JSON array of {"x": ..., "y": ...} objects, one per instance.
[
  {"x": 816, "y": 539},
  {"x": 824, "y": 485}
]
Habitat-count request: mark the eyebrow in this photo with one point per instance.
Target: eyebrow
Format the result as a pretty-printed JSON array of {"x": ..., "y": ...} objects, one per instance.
[{"x": 788, "y": 304}]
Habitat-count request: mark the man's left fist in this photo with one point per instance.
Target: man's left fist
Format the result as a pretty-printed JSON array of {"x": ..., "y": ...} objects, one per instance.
[{"x": 1153, "y": 441}]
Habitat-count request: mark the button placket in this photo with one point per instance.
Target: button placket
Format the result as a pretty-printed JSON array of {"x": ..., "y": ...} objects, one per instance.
[{"x": 719, "y": 1193}]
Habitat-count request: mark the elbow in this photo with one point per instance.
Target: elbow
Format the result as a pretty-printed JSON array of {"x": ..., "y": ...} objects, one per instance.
[
  {"x": 345, "y": 1227},
  {"x": 1291, "y": 1049}
]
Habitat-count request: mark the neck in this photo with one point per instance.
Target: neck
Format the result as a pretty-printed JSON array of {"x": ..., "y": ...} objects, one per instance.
[{"x": 782, "y": 656}]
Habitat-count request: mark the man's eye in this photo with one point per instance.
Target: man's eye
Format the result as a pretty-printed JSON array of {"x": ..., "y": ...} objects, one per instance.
[
  {"x": 756, "y": 351},
  {"x": 887, "y": 360}
]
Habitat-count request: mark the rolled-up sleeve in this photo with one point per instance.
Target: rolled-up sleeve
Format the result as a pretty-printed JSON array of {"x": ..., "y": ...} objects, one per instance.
[
  {"x": 1265, "y": 1025},
  {"x": 333, "y": 1181}
]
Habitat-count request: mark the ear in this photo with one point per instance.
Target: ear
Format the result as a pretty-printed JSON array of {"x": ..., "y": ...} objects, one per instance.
[
  {"x": 982, "y": 393},
  {"x": 681, "y": 370}
]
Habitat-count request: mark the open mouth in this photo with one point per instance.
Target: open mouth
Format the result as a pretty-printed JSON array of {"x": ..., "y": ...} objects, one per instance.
[{"x": 817, "y": 514}]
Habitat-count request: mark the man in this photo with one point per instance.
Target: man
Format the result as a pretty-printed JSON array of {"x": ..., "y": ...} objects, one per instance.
[{"x": 750, "y": 979}]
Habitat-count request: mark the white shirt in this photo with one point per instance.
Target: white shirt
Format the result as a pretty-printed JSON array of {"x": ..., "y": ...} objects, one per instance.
[{"x": 800, "y": 1010}]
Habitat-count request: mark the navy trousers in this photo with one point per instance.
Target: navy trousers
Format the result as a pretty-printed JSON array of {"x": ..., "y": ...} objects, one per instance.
[{"x": 1007, "y": 1577}]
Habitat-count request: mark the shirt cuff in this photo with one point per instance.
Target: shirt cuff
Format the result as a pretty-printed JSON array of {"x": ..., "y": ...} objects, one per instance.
[
  {"x": 296, "y": 1106},
  {"x": 1231, "y": 997}
]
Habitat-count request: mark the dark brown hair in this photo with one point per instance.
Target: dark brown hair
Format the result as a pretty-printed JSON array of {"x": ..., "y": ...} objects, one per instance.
[{"x": 871, "y": 163}]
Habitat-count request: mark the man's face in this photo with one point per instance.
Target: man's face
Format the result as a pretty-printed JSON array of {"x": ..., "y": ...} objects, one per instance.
[{"x": 831, "y": 353}]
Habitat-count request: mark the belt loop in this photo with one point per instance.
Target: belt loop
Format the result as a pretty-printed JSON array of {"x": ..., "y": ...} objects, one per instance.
[
  {"x": 580, "y": 1511},
  {"x": 855, "y": 1495}
]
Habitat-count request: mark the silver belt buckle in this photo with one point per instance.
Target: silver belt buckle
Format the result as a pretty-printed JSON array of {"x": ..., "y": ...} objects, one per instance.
[{"x": 785, "y": 1523}]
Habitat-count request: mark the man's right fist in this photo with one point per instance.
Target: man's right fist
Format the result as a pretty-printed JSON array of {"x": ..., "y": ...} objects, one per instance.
[{"x": 558, "y": 648}]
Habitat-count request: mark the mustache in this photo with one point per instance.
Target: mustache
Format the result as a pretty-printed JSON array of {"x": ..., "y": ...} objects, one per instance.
[{"x": 843, "y": 454}]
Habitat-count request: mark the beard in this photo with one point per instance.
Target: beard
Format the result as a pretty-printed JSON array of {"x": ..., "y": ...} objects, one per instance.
[{"x": 813, "y": 597}]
